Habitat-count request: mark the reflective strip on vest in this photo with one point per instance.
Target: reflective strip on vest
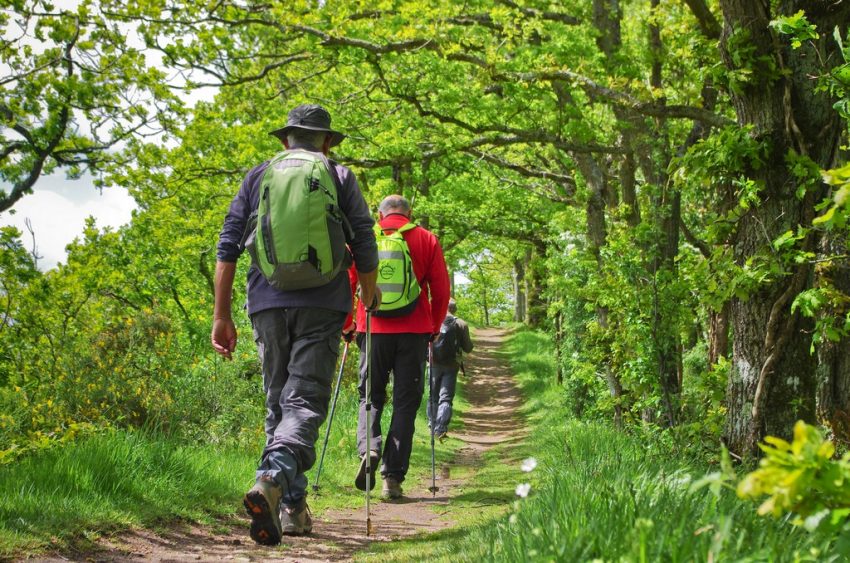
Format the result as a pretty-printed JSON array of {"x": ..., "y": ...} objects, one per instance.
[
  {"x": 390, "y": 287},
  {"x": 390, "y": 255}
]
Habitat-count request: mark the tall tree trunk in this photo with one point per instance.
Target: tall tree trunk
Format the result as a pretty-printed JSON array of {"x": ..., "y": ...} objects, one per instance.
[
  {"x": 718, "y": 334},
  {"x": 597, "y": 235},
  {"x": 519, "y": 290},
  {"x": 615, "y": 387},
  {"x": 833, "y": 375},
  {"x": 527, "y": 283},
  {"x": 627, "y": 180},
  {"x": 664, "y": 328},
  {"x": 772, "y": 382},
  {"x": 424, "y": 190},
  {"x": 535, "y": 274},
  {"x": 485, "y": 306},
  {"x": 667, "y": 214}
]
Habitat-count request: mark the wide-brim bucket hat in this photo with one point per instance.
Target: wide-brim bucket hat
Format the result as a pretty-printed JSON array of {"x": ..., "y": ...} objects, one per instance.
[{"x": 312, "y": 117}]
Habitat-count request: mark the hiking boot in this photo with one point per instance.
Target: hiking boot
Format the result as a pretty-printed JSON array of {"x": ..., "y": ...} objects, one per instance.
[
  {"x": 262, "y": 503},
  {"x": 391, "y": 489},
  {"x": 441, "y": 435},
  {"x": 360, "y": 480},
  {"x": 296, "y": 520}
]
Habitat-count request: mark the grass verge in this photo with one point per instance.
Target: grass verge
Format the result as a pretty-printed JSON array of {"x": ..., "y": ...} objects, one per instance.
[
  {"x": 66, "y": 497},
  {"x": 598, "y": 494},
  {"x": 602, "y": 494}
]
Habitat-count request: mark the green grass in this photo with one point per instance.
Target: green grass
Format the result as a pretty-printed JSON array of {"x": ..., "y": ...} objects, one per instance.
[
  {"x": 62, "y": 498},
  {"x": 601, "y": 494},
  {"x": 114, "y": 480}
]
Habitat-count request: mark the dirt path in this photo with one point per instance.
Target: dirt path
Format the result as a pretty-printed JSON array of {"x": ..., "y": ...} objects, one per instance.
[{"x": 337, "y": 535}]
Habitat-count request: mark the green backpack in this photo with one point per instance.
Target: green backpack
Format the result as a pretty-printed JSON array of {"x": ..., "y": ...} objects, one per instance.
[
  {"x": 396, "y": 279},
  {"x": 298, "y": 232}
]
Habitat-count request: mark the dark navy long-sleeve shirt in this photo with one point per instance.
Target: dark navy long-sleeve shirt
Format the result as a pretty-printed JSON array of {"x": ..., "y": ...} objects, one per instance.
[{"x": 335, "y": 295}]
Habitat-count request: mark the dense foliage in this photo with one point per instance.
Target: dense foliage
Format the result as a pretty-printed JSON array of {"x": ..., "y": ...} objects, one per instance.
[
  {"x": 595, "y": 493},
  {"x": 661, "y": 185}
]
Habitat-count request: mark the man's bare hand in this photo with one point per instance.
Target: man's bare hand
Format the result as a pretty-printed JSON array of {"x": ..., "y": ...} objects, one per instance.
[
  {"x": 371, "y": 302},
  {"x": 224, "y": 337}
]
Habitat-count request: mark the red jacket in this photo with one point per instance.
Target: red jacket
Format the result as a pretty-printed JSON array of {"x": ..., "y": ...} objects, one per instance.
[{"x": 429, "y": 267}]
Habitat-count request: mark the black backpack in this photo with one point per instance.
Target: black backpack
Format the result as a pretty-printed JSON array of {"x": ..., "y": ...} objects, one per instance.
[{"x": 446, "y": 344}]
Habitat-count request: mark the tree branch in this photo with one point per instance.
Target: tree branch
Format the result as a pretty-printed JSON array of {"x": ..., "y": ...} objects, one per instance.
[
  {"x": 708, "y": 24},
  {"x": 700, "y": 245},
  {"x": 550, "y": 16},
  {"x": 623, "y": 99}
]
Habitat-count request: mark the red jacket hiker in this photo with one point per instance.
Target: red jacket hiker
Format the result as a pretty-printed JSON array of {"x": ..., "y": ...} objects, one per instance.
[{"x": 397, "y": 348}]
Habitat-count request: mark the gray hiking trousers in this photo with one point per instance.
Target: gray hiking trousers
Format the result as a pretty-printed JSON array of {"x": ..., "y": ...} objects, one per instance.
[
  {"x": 403, "y": 355},
  {"x": 298, "y": 349}
]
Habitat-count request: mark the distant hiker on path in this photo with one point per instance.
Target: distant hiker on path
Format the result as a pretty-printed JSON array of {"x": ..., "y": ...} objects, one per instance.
[
  {"x": 298, "y": 298},
  {"x": 449, "y": 347},
  {"x": 414, "y": 285}
]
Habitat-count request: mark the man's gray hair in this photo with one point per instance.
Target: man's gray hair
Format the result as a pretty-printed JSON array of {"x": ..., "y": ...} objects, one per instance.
[
  {"x": 306, "y": 138},
  {"x": 394, "y": 204},
  {"x": 452, "y": 306}
]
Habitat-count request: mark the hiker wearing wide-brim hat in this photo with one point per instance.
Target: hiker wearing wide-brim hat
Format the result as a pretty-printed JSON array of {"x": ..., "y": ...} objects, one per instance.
[
  {"x": 298, "y": 297},
  {"x": 312, "y": 117}
]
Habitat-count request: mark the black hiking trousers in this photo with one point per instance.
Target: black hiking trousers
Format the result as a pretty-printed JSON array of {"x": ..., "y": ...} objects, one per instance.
[{"x": 403, "y": 355}]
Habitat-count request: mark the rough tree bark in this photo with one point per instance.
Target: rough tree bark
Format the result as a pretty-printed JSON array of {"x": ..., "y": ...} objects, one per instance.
[
  {"x": 772, "y": 382},
  {"x": 535, "y": 275},
  {"x": 833, "y": 374}
]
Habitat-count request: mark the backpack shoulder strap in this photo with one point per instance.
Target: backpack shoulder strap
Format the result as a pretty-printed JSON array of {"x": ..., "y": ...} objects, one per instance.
[
  {"x": 331, "y": 166},
  {"x": 379, "y": 230},
  {"x": 332, "y": 170}
]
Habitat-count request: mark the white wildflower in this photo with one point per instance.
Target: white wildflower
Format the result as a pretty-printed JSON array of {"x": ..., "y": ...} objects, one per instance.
[
  {"x": 523, "y": 489},
  {"x": 528, "y": 464}
]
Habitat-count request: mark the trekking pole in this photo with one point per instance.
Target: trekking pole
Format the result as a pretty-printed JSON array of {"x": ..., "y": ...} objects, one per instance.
[
  {"x": 368, "y": 417},
  {"x": 433, "y": 487},
  {"x": 330, "y": 418}
]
